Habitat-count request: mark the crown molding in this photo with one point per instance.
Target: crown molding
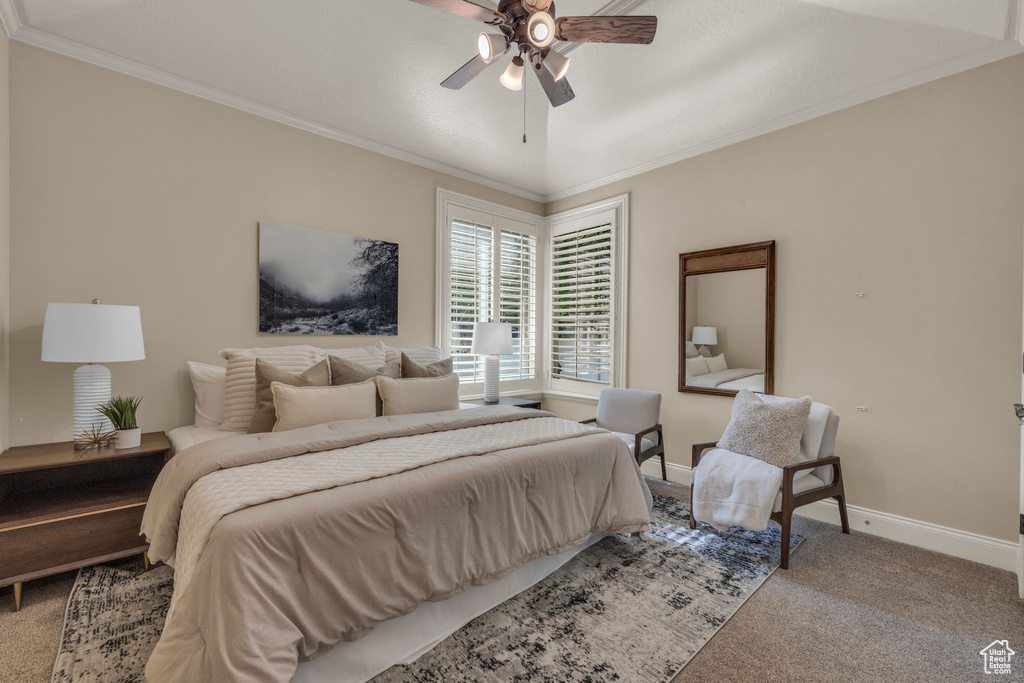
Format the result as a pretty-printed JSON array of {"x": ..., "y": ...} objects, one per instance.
[
  {"x": 69, "y": 48},
  {"x": 1012, "y": 45}
]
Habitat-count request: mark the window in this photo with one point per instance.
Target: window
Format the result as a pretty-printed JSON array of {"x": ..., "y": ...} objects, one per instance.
[
  {"x": 487, "y": 256},
  {"x": 586, "y": 328}
]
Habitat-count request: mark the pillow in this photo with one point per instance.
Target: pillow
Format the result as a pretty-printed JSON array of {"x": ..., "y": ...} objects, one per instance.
[
  {"x": 346, "y": 372},
  {"x": 716, "y": 363},
  {"x": 299, "y": 407},
  {"x": 372, "y": 356},
  {"x": 263, "y": 417},
  {"x": 422, "y": 355},
  {"x": 419, "y": 394},
  {"x": 767, "y": 431},
  {"x": 411, "y": 368},
  {"x": 691, "y": 350},
  {"x": 208, "y": 383},
  {"x": 240, "y": 380},
  {"x": 696, "y": 366}
]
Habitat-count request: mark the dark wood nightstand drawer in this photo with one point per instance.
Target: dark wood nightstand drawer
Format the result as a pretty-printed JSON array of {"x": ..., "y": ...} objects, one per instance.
[{"x": 78, "y": 541}]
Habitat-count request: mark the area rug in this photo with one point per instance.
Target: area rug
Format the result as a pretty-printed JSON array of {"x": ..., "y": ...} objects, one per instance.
[{"x": 625, "y": 609}]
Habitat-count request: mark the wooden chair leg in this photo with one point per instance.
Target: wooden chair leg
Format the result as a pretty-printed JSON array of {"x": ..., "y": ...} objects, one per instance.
[
  {"x": 787, "y": 519},
  {"x": 843, "y": 517},
  {"x": 693, "y": 520},
  {"x": 664, "y": 472}
]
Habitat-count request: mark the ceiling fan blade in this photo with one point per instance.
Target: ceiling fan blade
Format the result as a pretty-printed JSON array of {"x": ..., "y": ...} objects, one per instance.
[
  {"x": 465, "y": 8},
  {"x": 558, "y": 92},
  {"x": 639, "y": 30},
  {"x": 468, "y": 72}
]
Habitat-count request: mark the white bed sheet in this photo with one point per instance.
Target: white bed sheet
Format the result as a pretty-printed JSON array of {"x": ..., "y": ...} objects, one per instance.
[{"x": 405, "y": 639}]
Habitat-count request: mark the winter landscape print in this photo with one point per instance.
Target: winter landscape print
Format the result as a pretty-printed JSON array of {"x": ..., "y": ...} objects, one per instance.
[{"x": 319, "y": 282}]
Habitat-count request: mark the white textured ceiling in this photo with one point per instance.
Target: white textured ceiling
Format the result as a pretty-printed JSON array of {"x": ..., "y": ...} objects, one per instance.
[{"x": 368, "y": 71}]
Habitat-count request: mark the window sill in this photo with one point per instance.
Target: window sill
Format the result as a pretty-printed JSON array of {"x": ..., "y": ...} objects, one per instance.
[{"x": 588, "y": 399}]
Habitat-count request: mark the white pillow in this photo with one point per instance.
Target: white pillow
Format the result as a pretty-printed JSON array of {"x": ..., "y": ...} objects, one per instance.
[
  {"x": 299, "y": 407},
  {"x": 716, "y": 363},
  {"x": 424, "y": 355},
  {"x": 696, "y": 366},
  {"x": 240, "y": 380},
  {"x": 208, "y": 382},
  {"x": 419, "y": 394}
]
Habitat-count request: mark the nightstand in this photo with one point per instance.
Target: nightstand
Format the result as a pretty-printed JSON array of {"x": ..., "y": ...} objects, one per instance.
[
  {"x": 61, "y": 509},
  {"x": 510, "y": 401}
]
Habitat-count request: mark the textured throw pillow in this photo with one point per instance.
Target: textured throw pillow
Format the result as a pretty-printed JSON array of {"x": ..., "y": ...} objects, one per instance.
[
  {"x": 767, "y": 431},
  {"x": 240, "y": 381},
  {"x": 691, "y": 350},
  {"x": 372, "y": 356},
  {"x": 422, "y": 355},
  {"x": 299, "y": 407},
  {"x": 208, "y": 383},
  {"x": 264, "y": 417},
  {"x": 419, "y": 394},
  {"x": 696, "y": 366},
  {"x": 716, "y": 363},
  {"x": 411, "y": 368},
  {"x": 346, "y": 372}
]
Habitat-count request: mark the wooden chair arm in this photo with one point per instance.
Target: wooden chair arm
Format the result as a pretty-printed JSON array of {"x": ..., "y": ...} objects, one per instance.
[
  {"x": 698, "y": 451},
  {"x": 588, "y": 422},
  {"x": 644, "y": 432},
  {"x": 789, "y": 471}
]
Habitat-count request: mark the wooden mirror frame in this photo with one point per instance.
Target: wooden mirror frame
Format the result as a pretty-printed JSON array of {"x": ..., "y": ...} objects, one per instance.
[{"x": 725, "y": 260}]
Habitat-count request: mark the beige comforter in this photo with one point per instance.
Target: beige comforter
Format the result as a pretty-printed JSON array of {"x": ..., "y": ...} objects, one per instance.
[{"x": 285, "y": 544}]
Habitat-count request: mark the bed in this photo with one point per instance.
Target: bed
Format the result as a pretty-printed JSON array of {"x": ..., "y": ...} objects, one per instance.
[
  {"x": 332, "y": 552},
  {"x": 733, "y": 378}
]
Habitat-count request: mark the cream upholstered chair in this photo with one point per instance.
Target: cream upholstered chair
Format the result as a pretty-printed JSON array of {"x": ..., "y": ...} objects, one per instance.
[
  {"x": 633, "y": 416},
  {"x": 817, "y": 476}
]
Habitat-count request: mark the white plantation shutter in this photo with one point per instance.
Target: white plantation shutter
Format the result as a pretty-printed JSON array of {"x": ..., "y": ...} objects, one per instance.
[
  {"x": 517, "y": 303},
  {"x": 582, "y": 304},
  {"x": 472, "y": 293},
  {"x": 489, "y": 273}
]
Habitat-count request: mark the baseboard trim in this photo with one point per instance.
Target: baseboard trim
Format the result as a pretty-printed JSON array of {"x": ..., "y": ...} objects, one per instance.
[{"x": 993, "y": 552}]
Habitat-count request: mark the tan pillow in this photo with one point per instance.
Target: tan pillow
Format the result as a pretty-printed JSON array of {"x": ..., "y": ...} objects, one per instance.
[
  {"x": 419, "y": 394},
  {"x": 349, "y": 372},
  {"x": 411, "y": 368},
  {"x": 263, "y": 417},
  {"x": 767, "y": 431},
  {"x": 299, "y": 407}
]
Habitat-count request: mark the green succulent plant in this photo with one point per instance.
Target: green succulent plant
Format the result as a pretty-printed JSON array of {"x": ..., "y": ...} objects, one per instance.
[{"x": 121, "y": 411}]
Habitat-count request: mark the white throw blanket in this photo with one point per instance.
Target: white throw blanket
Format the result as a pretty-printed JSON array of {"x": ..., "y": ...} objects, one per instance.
[{"x": 730, "y": 489}]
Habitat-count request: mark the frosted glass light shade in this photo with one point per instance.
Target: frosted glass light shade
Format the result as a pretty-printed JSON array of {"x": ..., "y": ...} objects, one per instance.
[
  {"x": 707, "y": 336},
  {"x": 513, "y": 76},
  {"x": 92, "y": 333},
  {"x": 492, "y": 339},
  {"x": 491, "y": 46},
  {"x": 557, "y": 64}
]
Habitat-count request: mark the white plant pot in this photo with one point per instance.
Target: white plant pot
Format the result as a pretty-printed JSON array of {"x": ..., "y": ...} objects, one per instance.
[{"x": 128, "y": 438}]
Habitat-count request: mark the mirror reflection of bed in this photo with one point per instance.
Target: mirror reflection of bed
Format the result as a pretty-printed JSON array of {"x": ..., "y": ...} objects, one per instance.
[{"x": 725, "y": 330}]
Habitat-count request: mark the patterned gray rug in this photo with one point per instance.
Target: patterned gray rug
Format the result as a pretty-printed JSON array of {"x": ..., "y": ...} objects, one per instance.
[{"x": 622, "y": 610}]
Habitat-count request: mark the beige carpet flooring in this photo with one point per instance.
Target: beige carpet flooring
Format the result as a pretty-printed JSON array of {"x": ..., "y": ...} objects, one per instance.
[{"x": 850, "y": 608}]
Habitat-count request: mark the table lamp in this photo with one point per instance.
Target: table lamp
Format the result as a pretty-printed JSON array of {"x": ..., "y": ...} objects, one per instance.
[
  {"x": 705, "y": 336},
  {"x": 92, "y": 334},
  {"x": 492, "y": 340}
]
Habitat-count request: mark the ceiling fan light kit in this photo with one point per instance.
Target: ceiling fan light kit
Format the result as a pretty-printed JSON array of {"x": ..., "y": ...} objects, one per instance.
[{"x": 532, "y": 25}]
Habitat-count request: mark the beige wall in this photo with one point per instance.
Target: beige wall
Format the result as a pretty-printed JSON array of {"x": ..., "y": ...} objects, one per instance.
[
  {"x": 915, "y": 199},
  {"x": 138, "y": 194},
  {"x": 5, "y": 237}
]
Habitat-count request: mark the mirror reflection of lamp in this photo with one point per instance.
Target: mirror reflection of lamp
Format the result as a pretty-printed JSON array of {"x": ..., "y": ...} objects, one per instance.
[{"x": 705, "y": 336}]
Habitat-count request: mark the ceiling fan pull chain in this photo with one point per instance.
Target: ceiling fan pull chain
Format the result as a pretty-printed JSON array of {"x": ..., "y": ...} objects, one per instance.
[{"x": 524, "y": 113}]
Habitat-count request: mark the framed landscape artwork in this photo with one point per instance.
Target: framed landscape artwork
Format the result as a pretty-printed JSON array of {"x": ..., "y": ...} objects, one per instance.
[{"x": 319, "y": 282}]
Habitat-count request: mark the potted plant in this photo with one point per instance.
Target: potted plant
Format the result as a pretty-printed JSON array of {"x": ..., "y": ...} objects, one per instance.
[{"x": 121, "y": 411}]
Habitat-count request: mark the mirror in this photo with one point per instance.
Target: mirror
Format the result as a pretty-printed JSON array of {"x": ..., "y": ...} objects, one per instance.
[{"x": 727, "y": 320}]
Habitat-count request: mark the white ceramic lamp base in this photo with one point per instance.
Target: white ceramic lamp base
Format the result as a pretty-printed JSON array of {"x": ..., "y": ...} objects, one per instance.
[
  {"x": 492, "y": 374},
  {"x": 92, "y": 387}
]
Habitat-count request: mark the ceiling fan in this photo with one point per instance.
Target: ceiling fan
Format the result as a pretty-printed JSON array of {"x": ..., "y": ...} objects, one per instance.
[{"x": 532, "y": 25}]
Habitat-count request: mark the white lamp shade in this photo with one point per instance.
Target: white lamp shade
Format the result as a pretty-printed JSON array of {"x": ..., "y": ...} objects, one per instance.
[
  {"x": 492, "y": 339},
  {"x": 557, "y": 64},
  {"x": 707, "y": 336},
  {"x": 513, "y": 76},
  {"x": 92, "y": 333},
  {"x": 491, "y": 46}
]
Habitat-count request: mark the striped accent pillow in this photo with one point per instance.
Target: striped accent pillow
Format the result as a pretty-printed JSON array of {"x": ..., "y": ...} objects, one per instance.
[
  {"x": 424, "y": 355},
  {"x": 240, "y": 379},
  {"x": 372, "y": 357}
]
